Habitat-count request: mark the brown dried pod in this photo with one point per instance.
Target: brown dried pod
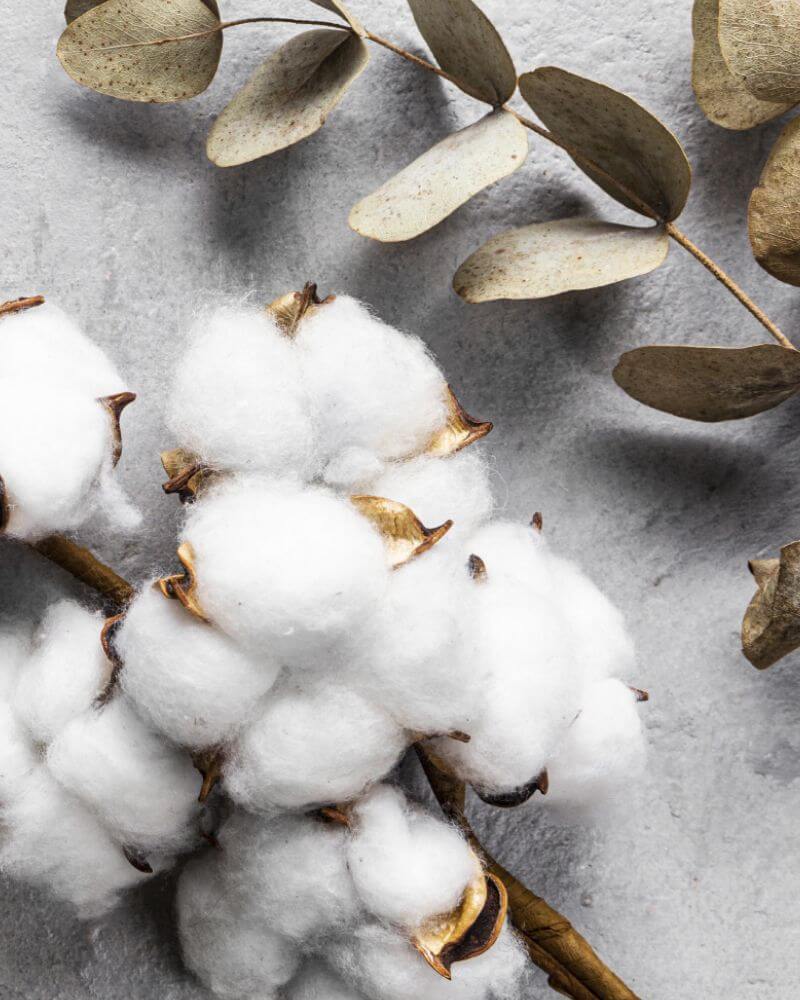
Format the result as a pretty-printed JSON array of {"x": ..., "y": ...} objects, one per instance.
[
  {"x": 209, "y": 763},
  {"x": 771, "y": 626},
  {"x": 291, "y": 308},
  {"x": 477, "y": 568},
  {"x": 107, "y": 634},
  {"x": 187, "y": 474},
  {"x": 137, "y": 860},
  {"x": 404, "y": 535},
  {"x": 115, "y": 405},
  {"x": 470, "y": 930},
  {"x": 460, "y": 431},
  {"x": 183, "y": 586},
  {"x": 519, "y": 796}
]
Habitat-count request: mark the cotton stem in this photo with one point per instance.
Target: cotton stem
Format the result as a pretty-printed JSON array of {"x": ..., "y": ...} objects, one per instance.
[{"x": 86, "y": 567}]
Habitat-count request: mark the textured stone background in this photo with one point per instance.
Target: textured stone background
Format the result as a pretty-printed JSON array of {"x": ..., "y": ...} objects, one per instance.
[{"x": 113, "y": 210}]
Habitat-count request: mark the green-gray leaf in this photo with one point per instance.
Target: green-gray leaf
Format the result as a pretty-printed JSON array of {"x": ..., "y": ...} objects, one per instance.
[
  {"x": 439, "y": 181},
  {"x": 339, "y": 8},
  {"x": 724, "y": 98},
  {"x": 75, "y": 8},
  {"x": 468, "y": 47},
  {"x": 710, "y": 383},
  {"x": 616, "y": 134},
  {"x": 760, "y": 41},
  {"x": 289, "y": 96},
  {"x": 773, "y": 216},
  {"x": 548, "y": 258},
  {"x": 129, "y": 49}
]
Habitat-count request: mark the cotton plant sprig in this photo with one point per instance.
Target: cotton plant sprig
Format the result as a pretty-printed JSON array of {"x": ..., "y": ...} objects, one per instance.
[
  {"x": 295, "y": 680},
  {"x": 148, "y": 50}
]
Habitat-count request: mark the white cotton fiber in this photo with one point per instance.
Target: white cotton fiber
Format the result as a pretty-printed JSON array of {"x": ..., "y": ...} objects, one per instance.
[
  {"x": 14, "y": 648},
  {"x": 226, "y": 947},
  {"x": 53, "y": 445},
  {"x": 441, "y": 489},
  {"x": 353, "y": 469},
  {"x": 282, "y": 568},
  {"x": 384, "y": 965},
  {"x": 291, "y": 872},
  {"x": 372, "y": 387},
  {"x": 238, "y": 401},
  {"x": 316, "y": 981},
  {"x": 18, "y": 757},
  {"x": 189, "y": 680},
  {"x": 407, "y": 866},
  {"x": 47, "y": 837},
  {"x": 45, "y": 345},
  {"x": 314, "y": 746},
  {"x": 142, "y": 789},
  {"x": 66, "y": 672},
  {"x": 603, "y": 750},
  {"x": 412, "y": 656}
]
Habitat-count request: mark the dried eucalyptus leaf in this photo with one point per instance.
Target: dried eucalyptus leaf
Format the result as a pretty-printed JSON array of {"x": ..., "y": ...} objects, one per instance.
[
  {"x": 760, "y": 42},
  {"x": 122, "y": 48},
  {"x": 468, "y": 47},
  {"x": 289, "y": 96},
  {"x": 75, "y": 8},
  {"x": 710, "y": 383},
  {"x": 616, "y": 134},
  {"x": 723, "y": 97},
  {"x": 441, "y": 180},
  {"x": 548, "y": 258},
  {"x": 339, "y": 8},
  {"x": 773, "y": 216},
  {"x": 771, "y": 626}
]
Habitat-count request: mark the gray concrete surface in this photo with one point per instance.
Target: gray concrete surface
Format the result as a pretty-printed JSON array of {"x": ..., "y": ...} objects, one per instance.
[{"x": 113, "y": 210}]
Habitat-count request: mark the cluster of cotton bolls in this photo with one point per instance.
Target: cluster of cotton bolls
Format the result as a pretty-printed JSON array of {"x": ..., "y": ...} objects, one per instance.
[
  {"x": 60, "y": 401},
  {"x": 287, "y": 901},
  {"x": 90, "y": 799}
]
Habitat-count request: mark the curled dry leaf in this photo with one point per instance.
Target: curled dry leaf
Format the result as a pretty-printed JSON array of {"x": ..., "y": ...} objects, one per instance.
[
  {"x": 339, "y": 8},
  {"x": 470, "y": 930},
  {"x": 460, "y": 431},
  {"x": 468, "y": 47},
  {"x": 548, "y": 258},
  {"x": 722, "y": 95},
  {"x": 760, "y": 41},
  {"x": 115, "y": 405},
  {"x": 631, "y": 147},
  {"x": 519, "y": 796},
  {"x": 771, "y": 626},
  {"x": 183, "y": 586},
  {"x": 288, "y": 310},
  {"x": 289, "y": 96},
  {"x": 773, "y": 216},
  {"x": 443, "y": 179},
  {"x": 710, "y": 383},
  {"x": 404, "y": 535},
  {"x": 139, "y": 50}
]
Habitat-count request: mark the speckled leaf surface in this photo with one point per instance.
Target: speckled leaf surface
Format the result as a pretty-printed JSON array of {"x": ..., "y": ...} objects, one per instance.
[
  {"x": 760, "y": 41},
  {"x": 773, "y": 216}
]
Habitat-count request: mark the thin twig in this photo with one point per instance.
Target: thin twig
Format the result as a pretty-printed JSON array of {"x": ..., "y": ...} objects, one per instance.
[
  {"x": 228, "y": 24},
  {"x": 404, "y": 54},
  {"x": 17, "y": 305},
  {"x": 86, "y": 567}
]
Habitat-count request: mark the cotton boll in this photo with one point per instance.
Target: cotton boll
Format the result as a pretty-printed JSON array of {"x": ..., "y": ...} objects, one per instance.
[
  {"x": 53, "y": 444},
  {"x": 353, "y": 469},
  {"x": 65, "y": 673},
  {"x": 315, "y": 746},
  {"x": 316, "y": 981},
  {"x": 188, "y": 679},
  {"x": 143, "y": 790},
  {"x": 232, "y": 953},
  {"x": 441, "y": 489},
  {"x": 291, "y": 872},
  {"x": 18, "y": 757},
  {"x": 516, "y": 556},
  {"x": 44, "y": 344},
  {"x": 50, "y": 839},
  {"x": 383, "y": 965},
  {"x": 605, "y": 647},
  {"x": 411, "y": 655},
  {"x": 283, "y": 568},
  {"x": 372, "y": 386},
  {"x": 407, "y": 866},
  {"x": 238, "y": 400},
  {"x": 603, "y": 750}
]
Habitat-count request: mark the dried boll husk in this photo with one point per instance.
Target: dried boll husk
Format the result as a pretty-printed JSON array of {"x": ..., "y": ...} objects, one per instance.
[
  {"x": 283, "y": 568},
  {"x": 65, "y": 673},
  {"x": 239, "y": 401},
  {"x": 313, "y": 745},
  {"x": 371, "y": 386},
  {"x": 144, "y": 791},
  {"x": 404, "y": 535},
  {"x": 224, "y": 944},
  {"x": 190, "y": 681}
]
